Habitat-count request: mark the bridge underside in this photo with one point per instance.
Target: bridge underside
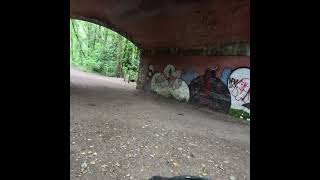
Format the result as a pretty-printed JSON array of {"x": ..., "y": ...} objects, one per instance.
[{"x": 192, "y": 50}]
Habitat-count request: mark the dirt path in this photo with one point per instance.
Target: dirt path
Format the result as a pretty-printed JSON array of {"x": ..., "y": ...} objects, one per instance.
[{"x": 118, "y": 132}]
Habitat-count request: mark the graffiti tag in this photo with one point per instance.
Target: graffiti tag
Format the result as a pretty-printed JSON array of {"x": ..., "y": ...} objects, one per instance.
[
  {"x": 169, "y": 83},
  {"x": 240, "y": 89}
]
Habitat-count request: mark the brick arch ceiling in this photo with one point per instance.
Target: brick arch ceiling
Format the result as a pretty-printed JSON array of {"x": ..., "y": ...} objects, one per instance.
[{"x": 170, "y": 23}]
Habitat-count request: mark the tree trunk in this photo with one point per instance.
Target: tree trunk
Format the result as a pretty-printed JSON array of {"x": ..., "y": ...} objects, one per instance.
[
  {"x": 106, "y": 36},
  {"x": 71, "y": 47},
  {"x": 134, "y": 52},
  {"x": 95, "y": 35},
  {"x": 75, "y": 32},
  {"x": 119, "y": 57}
]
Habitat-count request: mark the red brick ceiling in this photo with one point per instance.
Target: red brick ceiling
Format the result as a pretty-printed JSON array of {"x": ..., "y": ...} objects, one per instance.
[{"x": 170, "y": 23}]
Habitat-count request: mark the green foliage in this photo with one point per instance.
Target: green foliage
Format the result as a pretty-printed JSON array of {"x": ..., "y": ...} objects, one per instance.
[
  {"x": 95, "y": 48},
  {"x": 239, "y": 114}
]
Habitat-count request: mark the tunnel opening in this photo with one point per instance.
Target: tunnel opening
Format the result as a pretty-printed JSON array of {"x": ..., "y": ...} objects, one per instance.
[
  {"x": 194, "y": 71},
  {"x": 96, "y": 48}
]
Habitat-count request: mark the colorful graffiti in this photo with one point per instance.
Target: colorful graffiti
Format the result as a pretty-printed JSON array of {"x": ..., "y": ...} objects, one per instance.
[
  {"x": 210, "y": 91},
  {"x": 231, "y": 90},
  {"x": 225, "y": 75},
  {"x": 239, "y": 87},
  {"x": 188, "y": 76},
  {"x": 169, "y": 84}
]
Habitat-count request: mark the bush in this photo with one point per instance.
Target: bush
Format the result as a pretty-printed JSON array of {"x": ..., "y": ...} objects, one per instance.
[{"x": 239, "y": 114}]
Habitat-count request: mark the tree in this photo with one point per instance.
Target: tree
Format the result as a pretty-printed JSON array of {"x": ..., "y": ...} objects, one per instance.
[
  {"x": 98, "y": 49},
  {"x": 79, "y": 42}
]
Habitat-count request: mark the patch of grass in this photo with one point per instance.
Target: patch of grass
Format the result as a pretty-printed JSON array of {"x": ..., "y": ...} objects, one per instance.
[{"x": 239, "y": 114}]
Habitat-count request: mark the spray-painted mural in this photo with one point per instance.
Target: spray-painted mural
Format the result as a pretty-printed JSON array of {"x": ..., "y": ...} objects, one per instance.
[
  {"x": 225, "y": 75},
  {"x": 230, "y": 91},
  {"x": 239, "y": 87},
  {"x": 210, "y": 91},
  {"x": 169, "y": 84},
  {"x": 188, "y": 75}
]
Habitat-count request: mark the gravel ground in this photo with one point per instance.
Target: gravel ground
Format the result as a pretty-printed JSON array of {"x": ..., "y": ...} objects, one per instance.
[{"x": 118, "y": 132}]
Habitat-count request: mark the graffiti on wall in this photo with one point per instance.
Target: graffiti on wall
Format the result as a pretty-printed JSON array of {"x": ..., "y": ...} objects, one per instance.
[
  {"x": 239, "y": 87},
  {"x": 231, "y": 90},
  {"x": 188, "y": 76},
  {"x": 169, "y": 84},
  {"x": 225, "y": 75},
  {"x": 210, "y": 91}
]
